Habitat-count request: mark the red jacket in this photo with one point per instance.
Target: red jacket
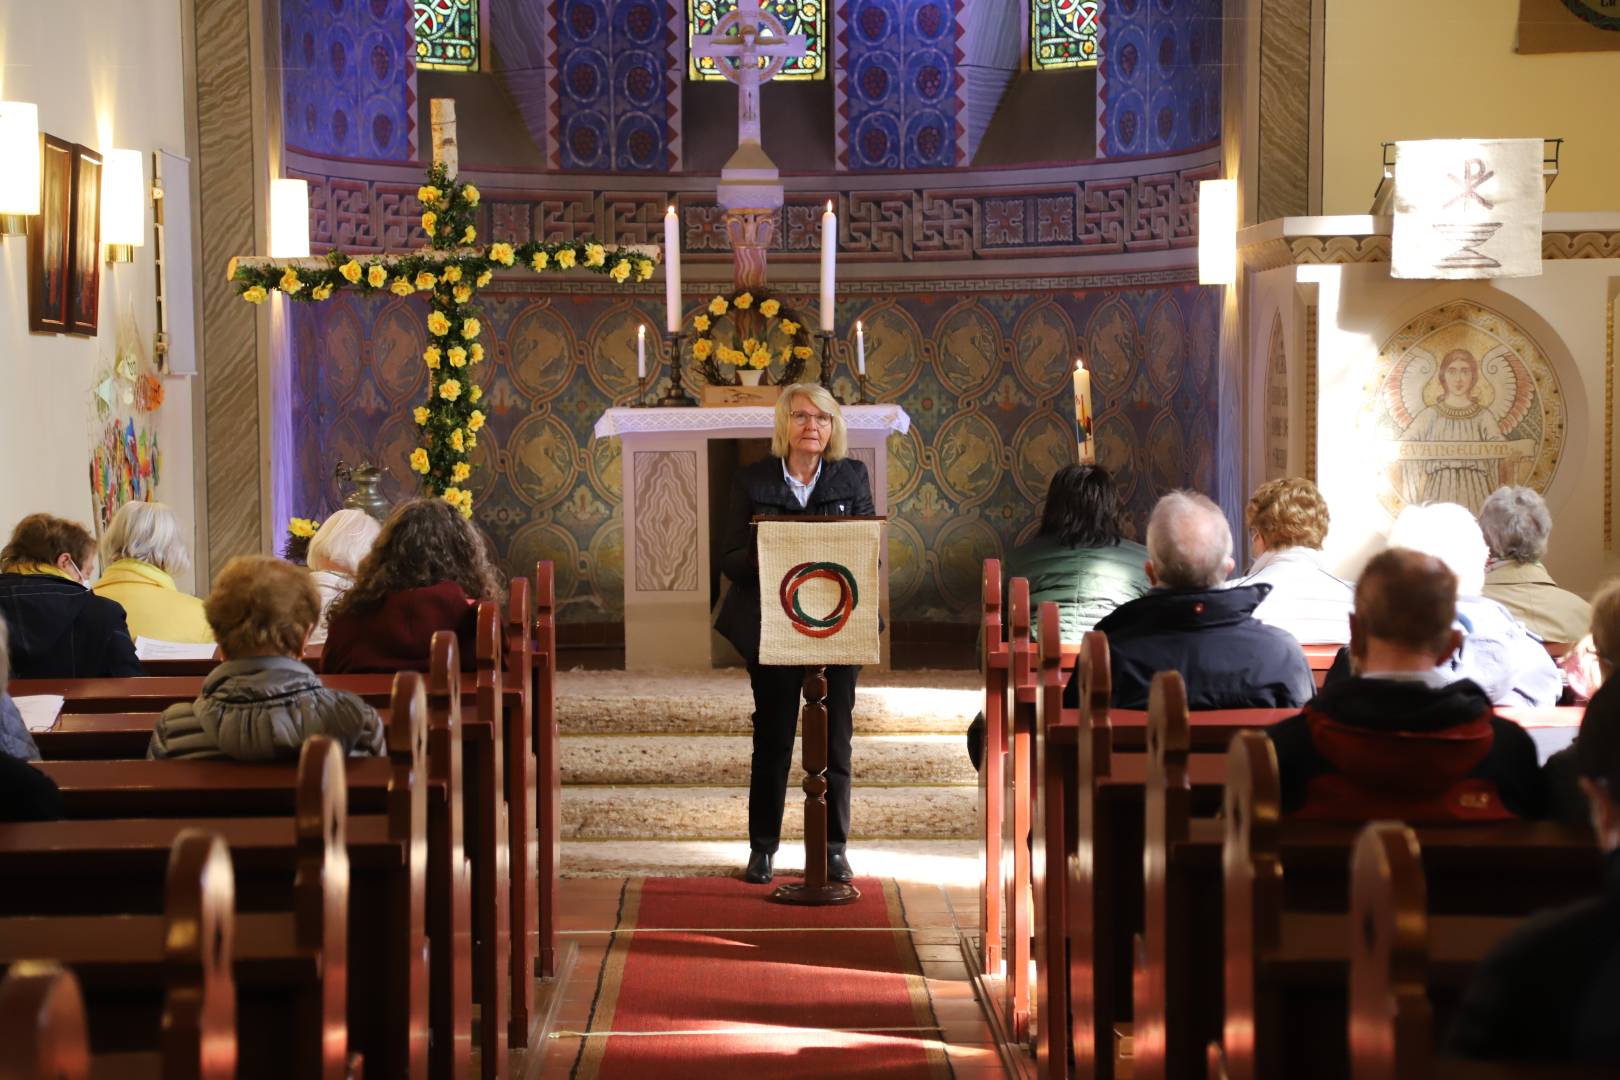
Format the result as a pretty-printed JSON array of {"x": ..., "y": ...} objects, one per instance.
[{"x": 398, "y": 636}]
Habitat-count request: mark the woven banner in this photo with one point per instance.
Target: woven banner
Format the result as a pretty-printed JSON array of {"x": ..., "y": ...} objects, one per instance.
[
  {"x": 1467, "y": 208},
  {"x": 818, "y": 583}
]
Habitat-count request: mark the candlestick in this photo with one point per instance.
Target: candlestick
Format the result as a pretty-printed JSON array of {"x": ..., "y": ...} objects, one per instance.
[
  {"x": 672, "y": 271},
  {"x": 1082, "y": 413},
  {"x": 829, "y": 255},
  {"x": 860, "y": 348},
  {"x": 827, "y": 366},
  {"x": 641, "y": 351},
  {"x": 676, "y": 396}
]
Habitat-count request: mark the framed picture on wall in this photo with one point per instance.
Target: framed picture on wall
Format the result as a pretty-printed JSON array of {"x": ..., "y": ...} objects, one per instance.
[
  {"x": 50, "y": 251},
  {"x": 84, "y": 293}
]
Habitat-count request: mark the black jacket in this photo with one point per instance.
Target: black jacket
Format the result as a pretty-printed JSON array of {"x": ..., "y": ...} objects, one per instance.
[
  {"x": 61, "y": 630},
  {"x": 1373, "y": 748},
  {"x": 26, "y": 794},
  {"x": 1229, "y": 659},
  {"x": 842, "y": 490},
  {"x": 1551, "y": 991}
]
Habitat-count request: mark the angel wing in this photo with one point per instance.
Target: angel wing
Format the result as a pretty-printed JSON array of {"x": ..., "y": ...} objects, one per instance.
[
  {"x": 1403, "y": 390},
  {"x": 1514, "y": 389}
]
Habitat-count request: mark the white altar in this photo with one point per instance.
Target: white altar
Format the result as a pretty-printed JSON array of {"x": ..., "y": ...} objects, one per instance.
[{"x": 677, "y": 465}]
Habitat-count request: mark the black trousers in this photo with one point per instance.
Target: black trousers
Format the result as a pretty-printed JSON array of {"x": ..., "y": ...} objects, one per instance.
[{"x": 778, "y": 692}]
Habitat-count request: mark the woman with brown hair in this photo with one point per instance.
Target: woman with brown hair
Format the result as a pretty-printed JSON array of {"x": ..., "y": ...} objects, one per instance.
[
  {"x": 59, "y": 628},
  {"x": 427, "y": 571}
]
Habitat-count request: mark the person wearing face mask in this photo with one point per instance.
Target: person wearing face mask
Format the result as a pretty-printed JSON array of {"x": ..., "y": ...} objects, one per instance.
[{"x": 59, "y": 628}]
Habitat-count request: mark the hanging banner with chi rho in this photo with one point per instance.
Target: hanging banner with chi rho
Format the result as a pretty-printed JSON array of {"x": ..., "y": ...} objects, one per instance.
[{"x": 818, "y": 583}]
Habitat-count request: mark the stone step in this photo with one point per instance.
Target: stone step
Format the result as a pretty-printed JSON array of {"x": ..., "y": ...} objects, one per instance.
[
  {"x": 719, "y": 702},
  {"x": 721, "y": 813},
  {"x": 723, "y": 760},
  {"x": 945, "y": 862}
]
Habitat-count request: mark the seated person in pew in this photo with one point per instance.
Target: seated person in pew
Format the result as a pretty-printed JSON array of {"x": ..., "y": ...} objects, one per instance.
[
  {"x": 141, "y": 551},
  {"x": 1551, "y": 991},
  {"x": 1189, "y": 622},
  {"x": 1288, "y": 520},
  {"x": 261, "y": 702},
  {"x": 26, "y": 794},
  {"x": 1404, "y": 738},
  {"x": 427, "y": 571},
  {"x": 1516, "y": 524},
  {"x": 1497, "y": 652},
  {"x": 335, "y": 553},
  {"x": 59, "y": 628},
  {"x": 1565, "y": 800}
]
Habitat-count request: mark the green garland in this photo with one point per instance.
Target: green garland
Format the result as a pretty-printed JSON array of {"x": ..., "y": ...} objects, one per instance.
[{"x": 453, "y": 271}]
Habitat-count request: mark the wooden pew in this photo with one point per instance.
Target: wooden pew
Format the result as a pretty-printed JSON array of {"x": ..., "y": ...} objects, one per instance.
[
  {"x": 1055, "y": 778},
  {"x": 993, "y": 664},
  {"x": 547, "y": 768},
  {"x": 449, "y": 901},
  {"x": 516, "y": 651},
  {"x": 42, "y": 1024},
  {"x": 1017, "y": 799}
]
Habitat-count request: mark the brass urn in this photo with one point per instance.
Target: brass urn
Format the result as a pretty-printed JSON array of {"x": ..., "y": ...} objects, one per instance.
[{"x": 365, "y": 477}]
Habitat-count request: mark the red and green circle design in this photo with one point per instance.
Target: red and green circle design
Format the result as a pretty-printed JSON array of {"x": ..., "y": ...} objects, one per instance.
[{"x": 826, "y": 625}]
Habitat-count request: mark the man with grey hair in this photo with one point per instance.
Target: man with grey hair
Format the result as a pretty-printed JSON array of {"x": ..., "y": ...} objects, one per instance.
[
  {"x": 1189, "y": 623},
  {"x": 1516, "y": 524}
]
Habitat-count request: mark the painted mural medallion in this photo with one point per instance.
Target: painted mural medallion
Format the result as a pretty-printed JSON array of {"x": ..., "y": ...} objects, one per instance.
[
  {"x": 1043, "y": 444},
  {"x": 962, "y": 546},
  {"x": 607, "y": 565},
  {"x": 1167, "y": 451},
  {"x": 893, "y": 346},
  {"x": 905, "y": 456},
  {"x": 1043, "y": 356},
  {"x": 397, "y": 342},
  {"x": 540, "y": 352},
  {"x": 907, "y": 564},
  {"x": 1167, "y": 347},
  {"x": 968, "y": 456},
  {"x": 968, "y": 349},
  {"x": 545, "y": 540},
  {"x": 1111, "y": 349},
  {"x": 605, "y": 460},
  {"x": 1463, "y": 401},
  {"x": 543, "y": 466}
]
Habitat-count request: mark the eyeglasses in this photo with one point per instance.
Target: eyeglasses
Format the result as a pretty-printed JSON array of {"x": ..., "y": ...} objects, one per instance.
[{"x": 804, "y": 419}]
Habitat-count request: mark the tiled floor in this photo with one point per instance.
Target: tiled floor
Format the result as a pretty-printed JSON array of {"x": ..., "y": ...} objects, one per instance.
[{"x": 937, "y": 911}]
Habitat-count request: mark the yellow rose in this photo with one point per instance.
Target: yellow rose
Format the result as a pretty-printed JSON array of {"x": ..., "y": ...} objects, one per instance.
[
  {"x": 565, "y": 259},
  {"x": 301, "y": 527},
  {"x": 470, "y": 193},
  {"x": 452, "y": 273},
  {"x": 427, "y": 194},
  {"x": 425, "y": 281},
  {"x": 769, "y": 308},
  {"x": 475, "y": 422},
  {"x": 456, "y": 441},
  {"x": 644, "y": 269},
  {"x": 718, "y": 306},
  {"x": 289, "y": 282},
  {"x": 760, "y": 358},
  {"x": 484, "y": 278},
  {"x": 701, "y": 322},
  {"x": 501, "y": 253},
  {"x": 459, "y": 498},
  {"x": 749, "y": 345},
  {"x": 421, "y": 415},
  {"x": 321, "y": 291},
  {"x": 254, "y": 294},
  {"x": 460, "y": 472},
  {"x": 432, "y": 356},
  {"x": 745, "y": 301},
  {"x": 472, "y": 440},
  {"x": 376, "y": 276},
  {"x": 401, "y": 287},
  {"x": 351, "y": 272},
  {"x": 429, "y": 220},
  {"x": 450, "y": 389},
  {"x": 620, "y": 271},
  {"x": 476, "y": 353},
  {"x": 539, "y": 262},
  {"x": 463, "y": 293},
  {"x": 437, "y": 324},
  {"x": 457, "y": 356},
  {"x": 469, "y": 235},
  {"x": 474, "y": 394},
  {"x": 595, "y": 254},
  {"x": 802, "y": 352},
  {"x": 702, "y": 349},
  {"x": 470, "y": 328},
  {"x": 789, "y": 327},
  {"x": 419, "y": 460}
]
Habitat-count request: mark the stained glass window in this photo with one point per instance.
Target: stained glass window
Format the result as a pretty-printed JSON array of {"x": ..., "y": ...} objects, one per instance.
[
  {"x": 446, "y": 34},
  {"x": 1064, "y": 33},
  {"x": 807, "y": 17}
]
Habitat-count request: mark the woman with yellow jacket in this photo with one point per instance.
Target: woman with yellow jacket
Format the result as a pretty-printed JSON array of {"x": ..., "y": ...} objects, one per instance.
[{"x": 140, "y": 551}]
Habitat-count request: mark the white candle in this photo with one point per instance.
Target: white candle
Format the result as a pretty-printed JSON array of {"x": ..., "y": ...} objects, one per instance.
[
  {"x": 1082, "y": 412},
  {"x": 672, "y": 271},
  {"x": 641, "y": 350},
  {"x": 860, "y": 348},
  {"x": 829, "y": 255}
]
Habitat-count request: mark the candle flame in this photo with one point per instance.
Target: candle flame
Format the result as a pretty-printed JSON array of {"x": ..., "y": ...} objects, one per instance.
[
  {"x": 829, "y": 206},
  {"x": 641, "y": 331},
  {"x": 860, "y": 327},
  {"x": 1079, "y": 363},
  {"x": 670, "y": 212}
]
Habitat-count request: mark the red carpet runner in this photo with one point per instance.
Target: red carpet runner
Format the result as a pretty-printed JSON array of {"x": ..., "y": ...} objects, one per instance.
[{"x": 703, "y": 978}]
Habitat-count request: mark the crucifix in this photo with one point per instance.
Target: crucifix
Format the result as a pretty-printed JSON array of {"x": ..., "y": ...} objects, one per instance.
[{"x": 749, "y": 47}]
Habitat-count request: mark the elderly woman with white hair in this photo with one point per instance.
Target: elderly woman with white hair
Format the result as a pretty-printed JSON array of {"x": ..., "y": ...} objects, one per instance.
[
  {"x": 141, "y": 551},
  {"x": 1497, "y": 652},
  {"x": 1516, "y": 524},
  {"x": 335, "y": 552},
  {"x": 809, "y": 472}
]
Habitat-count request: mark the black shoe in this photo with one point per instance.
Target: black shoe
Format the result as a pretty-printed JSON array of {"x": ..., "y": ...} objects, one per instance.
[
  {"x": 838, "y": 867},
  {"x": 759, "y": 868}
]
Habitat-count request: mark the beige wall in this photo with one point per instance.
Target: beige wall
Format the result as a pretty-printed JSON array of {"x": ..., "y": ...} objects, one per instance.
[
  {"x": 105, "y": 75},
  {"x": 1423, "y": 69}
]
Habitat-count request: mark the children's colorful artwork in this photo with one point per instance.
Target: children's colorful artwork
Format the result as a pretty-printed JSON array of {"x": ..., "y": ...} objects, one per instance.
[{"x": 123, "y": 468}]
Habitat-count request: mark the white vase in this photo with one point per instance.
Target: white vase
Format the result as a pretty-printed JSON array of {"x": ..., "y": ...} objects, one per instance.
[{"x": 750, "y": 376}]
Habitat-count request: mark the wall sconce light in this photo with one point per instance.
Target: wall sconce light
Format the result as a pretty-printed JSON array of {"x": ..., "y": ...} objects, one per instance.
[
  {"x": 1217, "y": 232},
  {"x": 289, "y": 219},
  {"x": 123, "y": 204},
  {"x": 20, "y": 171}
]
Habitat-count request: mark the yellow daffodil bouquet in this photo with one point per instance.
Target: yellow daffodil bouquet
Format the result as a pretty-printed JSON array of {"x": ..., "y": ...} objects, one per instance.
[
  {"x": 750, "y": 331},
  {"x": 299, "y": 533}
]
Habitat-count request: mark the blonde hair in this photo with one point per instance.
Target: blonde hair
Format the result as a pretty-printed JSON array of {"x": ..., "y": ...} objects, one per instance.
[
  {"x": 147, "y": 532},
  {"x": 837, "y": 446},
  {"x": 342, "y": 541},
  {"x": 1288, "y": 513},
  {"x": 261, "y": 605}
]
